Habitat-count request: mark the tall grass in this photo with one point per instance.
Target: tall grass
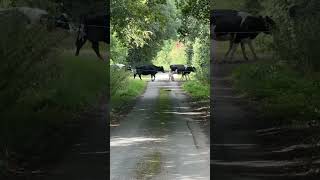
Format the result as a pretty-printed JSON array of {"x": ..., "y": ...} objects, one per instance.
[{"x": 283, "y": 94}]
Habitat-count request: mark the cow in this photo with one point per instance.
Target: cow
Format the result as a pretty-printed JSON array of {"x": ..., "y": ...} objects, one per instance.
[
  {"x": 146, "y": 70},
  {"x": 187, "y": 71},
  {"x": 94, "y": 28},
  {"x": 239, "y": 28},
  {"x": 181, "y": 69}
]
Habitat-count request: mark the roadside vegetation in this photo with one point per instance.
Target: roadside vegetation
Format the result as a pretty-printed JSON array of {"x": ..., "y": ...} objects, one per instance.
[
  {"x": 124, "y": 92},
  {"x": 284, "y": 94},
  {"x": 43, "y": 90},
  {"x": 197, "y": 90}
]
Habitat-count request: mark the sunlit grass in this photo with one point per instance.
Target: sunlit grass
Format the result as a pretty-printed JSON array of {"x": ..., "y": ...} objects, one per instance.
[
  {"x": 126, "y": 94},
  {"x": 197, "y": 90}
]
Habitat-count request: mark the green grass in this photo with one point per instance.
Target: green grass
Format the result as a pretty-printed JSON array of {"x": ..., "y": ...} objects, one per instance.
[
  {"x": 80, "y": 82},
  {"x": 283, "y": 94},
  {"x": 127, "y": 92},
  {"x": 149, "y": 166},
  {"x": 164, "y": 105},
  {"x": 197, "y": 90}
]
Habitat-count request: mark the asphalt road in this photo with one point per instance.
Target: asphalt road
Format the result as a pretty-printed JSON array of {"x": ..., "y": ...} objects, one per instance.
[{"x": 144, "y": 146}]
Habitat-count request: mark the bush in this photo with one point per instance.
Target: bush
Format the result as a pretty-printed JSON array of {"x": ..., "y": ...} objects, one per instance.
[
  {"x": 118, "y": 80},
  {"x": 283, "y": 93}
]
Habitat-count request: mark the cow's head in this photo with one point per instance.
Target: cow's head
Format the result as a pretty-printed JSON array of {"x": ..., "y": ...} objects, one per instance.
[
  {"x": 269, "y": 24},
  {"x": 191, "y": 69},
  {"x": 161, "y": 69}
]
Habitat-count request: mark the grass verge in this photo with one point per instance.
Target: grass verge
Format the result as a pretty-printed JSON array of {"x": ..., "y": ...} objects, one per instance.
[
  {"x": 283, "y": 94},
  {"x": 197, "y": 90},
  {"x": 124, "y": 93}
]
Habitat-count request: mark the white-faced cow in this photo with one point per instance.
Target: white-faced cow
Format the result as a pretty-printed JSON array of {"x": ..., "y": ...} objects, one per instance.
[
  {"x": 238, "y": 28},
  {"x": 146, "y": 70},
  {"x": 181, "y": 69},
  {"x": 94, "y": 28}
]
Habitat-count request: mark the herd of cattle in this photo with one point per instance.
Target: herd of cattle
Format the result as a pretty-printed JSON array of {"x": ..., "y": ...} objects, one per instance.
[
  {"x": 237, "y": 27},
  {"x": 152, "y": 70}
]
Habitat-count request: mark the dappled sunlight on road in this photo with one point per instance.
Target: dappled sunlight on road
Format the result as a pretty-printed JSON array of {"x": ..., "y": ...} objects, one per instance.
[
  {"x": 118, "y": 141},
  {"x": 164, "y": 125}
]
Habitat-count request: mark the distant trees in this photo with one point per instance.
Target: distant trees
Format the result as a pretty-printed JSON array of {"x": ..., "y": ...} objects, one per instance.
[
  {"x": 142, "y": 26},
  {"x": 194, "y": 32}
]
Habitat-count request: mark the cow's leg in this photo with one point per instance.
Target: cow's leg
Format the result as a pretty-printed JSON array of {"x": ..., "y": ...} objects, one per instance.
[
  {"x": 140, "y": 76},
  {"x": 79, "y": 44},
  {"x": 233, "y": 50},
  {"x": 229, "y": 49},
  {"x": 243, "y": 48},
  {"x": 95, "y": 47},
  {"x": 252, "y": 50},
  {"x": 134, "y": 76},
  {"x": 183, "y": 76}
]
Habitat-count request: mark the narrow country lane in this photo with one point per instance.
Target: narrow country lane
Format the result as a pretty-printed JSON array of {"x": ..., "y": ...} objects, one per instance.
[{"x": 158, "y": 140}]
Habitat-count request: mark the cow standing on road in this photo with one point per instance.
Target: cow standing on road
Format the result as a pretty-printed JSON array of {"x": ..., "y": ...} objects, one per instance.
[
  {"x": 238, "y": 28},
  {"x": 182, "y": 69},
  {"x": 148, "y": 69}
]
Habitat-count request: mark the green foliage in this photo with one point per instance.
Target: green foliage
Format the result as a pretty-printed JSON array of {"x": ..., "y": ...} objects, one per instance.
[
  {"x": 118, "y": 80},
  {"x": 201, "y": 59},
  {"x": 35, "y": 125},
  {"x": 162, "y": 29},
  {"x": 23, "y": 54},
  {"x": 197, "y": 8},
  {"x": 223, "y": 4},
  {"x": 194, "y": 33},
  {"x": 253, "y": 6},
  {"x": 296, "y": 37},
  {"x": 118, "y": 50},
  {"x": 124, "y": 89},
  {"x": 172, "y": 52},
  {"x": 283, "y": 93},
  {"x": 197, "y": 90},
  {"x": 139, "y": 21}
]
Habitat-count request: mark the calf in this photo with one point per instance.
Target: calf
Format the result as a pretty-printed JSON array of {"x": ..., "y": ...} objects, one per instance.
[
  {"x": 181, "y": 69},
  {"x": 94, "y": 28},
  {"x": 146, "y": 70},
  {"x": 238, "y": 28}
]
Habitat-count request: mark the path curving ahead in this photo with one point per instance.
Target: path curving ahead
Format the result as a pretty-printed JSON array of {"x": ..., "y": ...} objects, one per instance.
[{"x": 158, "y": 140}]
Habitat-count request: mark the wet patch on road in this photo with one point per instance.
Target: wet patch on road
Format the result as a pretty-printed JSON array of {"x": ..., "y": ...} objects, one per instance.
[{"x": 149, "y": 166}]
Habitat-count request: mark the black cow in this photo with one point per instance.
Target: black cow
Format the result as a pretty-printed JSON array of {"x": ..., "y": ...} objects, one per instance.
[
  {"x": 181, "y": 69},
  {"x": 94, "y": 28},
  {"x": 238, "y": 28},
  {"x": 146, "y": 70}
]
